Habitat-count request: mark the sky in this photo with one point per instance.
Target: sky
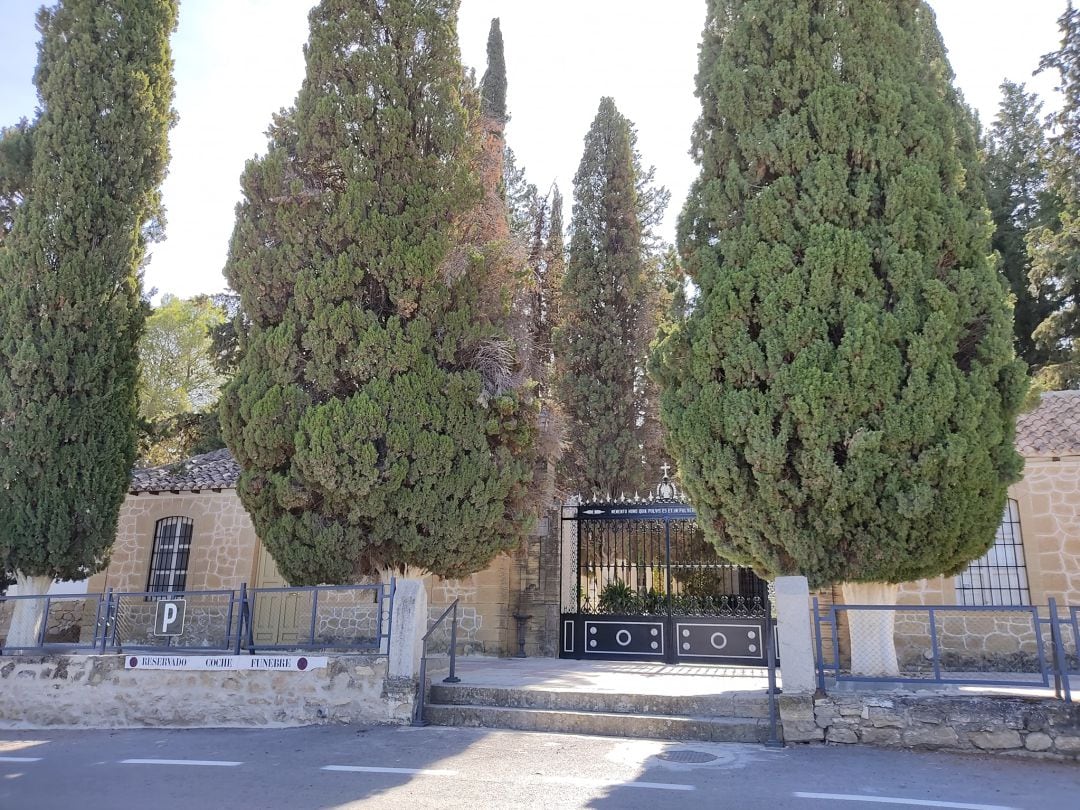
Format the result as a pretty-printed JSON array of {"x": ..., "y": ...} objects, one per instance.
[{"x": 238, "y": 61}]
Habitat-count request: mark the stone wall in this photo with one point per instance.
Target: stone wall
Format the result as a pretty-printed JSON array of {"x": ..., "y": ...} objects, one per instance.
[
  {"x": 223, "y": 542},
  {"x": 1019, "y": 726},
  {"x": 96, "y": 691}
]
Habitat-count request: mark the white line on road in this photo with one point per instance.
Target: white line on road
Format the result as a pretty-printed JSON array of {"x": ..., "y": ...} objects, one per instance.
[
  {"x": 210, "y": 762},
  {"x": 370, "y": 769},
  {"x": 605, "y": 783},
  {"x": 847, "y": 797},
  {"x": 20, "y": 759}
]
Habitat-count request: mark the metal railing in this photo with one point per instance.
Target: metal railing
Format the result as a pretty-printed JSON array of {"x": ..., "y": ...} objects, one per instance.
[
  {"x": 1021, "y": 647},
  {"x": 327, "y": 617},
  {"x": 418, "y": 716}
]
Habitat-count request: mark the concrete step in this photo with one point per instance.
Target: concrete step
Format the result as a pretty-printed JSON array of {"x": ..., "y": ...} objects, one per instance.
[
  {"x": 608, "y": 724},
  {"x": 729, "y": 704}
]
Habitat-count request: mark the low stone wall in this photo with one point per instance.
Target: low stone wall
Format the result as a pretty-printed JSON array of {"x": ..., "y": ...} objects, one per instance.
[
  {"x": 97, "y": 692},
  {"x": 1018, "y": 726}
]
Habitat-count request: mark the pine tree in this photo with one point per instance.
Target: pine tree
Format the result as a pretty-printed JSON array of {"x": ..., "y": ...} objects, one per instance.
[
  {"x": 1054, "y": 247},
  {"x": 70, "y": 308},
  {"x": 1019, "y": 201},
  {"x": 841, "y": 399},
  {"x": 604, "y": 331},
  {"x": 378, "y": 411}
]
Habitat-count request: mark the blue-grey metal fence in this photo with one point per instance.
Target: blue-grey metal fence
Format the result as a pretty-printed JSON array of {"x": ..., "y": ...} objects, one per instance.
[
  {"x": 338, "y": 617},
  {"x": 1022, "y": 647}
]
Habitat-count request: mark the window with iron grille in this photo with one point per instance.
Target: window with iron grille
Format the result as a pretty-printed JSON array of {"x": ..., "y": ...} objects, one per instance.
[
  {"x": 1000, "y": 576},
  {"x": 172, "y": 547}
]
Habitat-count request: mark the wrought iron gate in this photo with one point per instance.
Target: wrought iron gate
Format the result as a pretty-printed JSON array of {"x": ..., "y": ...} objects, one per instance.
[{"x": 646, "y": 585}]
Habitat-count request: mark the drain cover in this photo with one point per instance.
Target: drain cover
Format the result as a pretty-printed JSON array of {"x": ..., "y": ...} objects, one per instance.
[{"x": 687, "y": 756}]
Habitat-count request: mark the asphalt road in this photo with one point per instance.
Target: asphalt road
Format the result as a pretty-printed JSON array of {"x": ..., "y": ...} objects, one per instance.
[{"x": 405, "y": 768}]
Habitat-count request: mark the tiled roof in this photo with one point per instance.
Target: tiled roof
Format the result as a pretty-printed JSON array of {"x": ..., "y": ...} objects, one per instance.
[
  {"x": 1052, "y": 429},
  {"x": 216, "y": 470}
]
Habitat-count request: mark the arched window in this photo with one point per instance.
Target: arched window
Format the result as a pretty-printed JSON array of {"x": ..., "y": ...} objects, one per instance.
[
  {"x": 172, "y": 547},
  {"x": 999, "y": 577}
]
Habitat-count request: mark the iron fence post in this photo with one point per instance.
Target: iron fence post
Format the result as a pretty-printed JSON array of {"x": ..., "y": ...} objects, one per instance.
[
  {"x": 240, "y": 619},
  {"x": 820, "y": 649},
  {"x": 774, "y": 740},
  {"x": 1061, "y": 667},
  {"x": 44, "y": 622},
  {"x": 934, "y": 651},
  {"x": 106, "y": 621},
  {"x": 453, "y": 649}
]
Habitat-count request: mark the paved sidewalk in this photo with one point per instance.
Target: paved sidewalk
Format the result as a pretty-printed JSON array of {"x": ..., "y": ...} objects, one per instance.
[{"x": 614, "y": 677}]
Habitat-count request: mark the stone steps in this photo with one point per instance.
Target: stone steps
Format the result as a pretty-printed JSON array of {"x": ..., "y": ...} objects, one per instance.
[{"x": 730, "y": 717}]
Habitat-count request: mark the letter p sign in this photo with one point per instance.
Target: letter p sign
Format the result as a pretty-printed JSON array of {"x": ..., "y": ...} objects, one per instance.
[{"x": 169, "y": 619}]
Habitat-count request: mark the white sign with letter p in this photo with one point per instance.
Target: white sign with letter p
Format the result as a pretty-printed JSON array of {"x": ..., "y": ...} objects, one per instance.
[{"x": 169, "y": 619}]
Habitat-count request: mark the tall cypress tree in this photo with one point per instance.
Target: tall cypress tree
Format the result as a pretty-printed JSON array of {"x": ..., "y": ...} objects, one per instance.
[
  {"x": 841, "y": 399},
  {"x": 376, "y": 410},
  {"x": 603, "y": 336},
  {"x": 493, "y": 84},
  {"x": 1019, "y": 201},
  {"x": 70, "y": 308},
  {"x": 1054, "y": 246}
]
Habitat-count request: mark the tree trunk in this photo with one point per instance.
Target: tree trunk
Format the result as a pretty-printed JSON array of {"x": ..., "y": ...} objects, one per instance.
[
  {"x": 29, "y": 614},
  {"x": 873, "y": 649}
]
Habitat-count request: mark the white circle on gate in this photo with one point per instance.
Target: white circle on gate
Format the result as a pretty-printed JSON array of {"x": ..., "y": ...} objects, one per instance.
[
  {"x": 752, "y": 648},
  {"x": 655, "y": 645},
  {"x": 722, "y": 643},
  {"x": 686, "y": 645},
  {"x": 592, "y": 630},
  {"x": 654, "y": 631},
  {"x": 686, "y": 633},
  {"x": 592, "y": 643},
  {"x": 622, "y": 638},
  {"x": 751, "y": 634}
]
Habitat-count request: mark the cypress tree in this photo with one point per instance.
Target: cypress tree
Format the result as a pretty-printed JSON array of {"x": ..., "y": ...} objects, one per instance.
[
  {"x": 70, "y": 308},
  {"x": 1054, "y": 246},
  {"x": 841, "y": 399},
  {"x": 376, "y": 410},
  {"x": 1019, "y": 201},
  {"x": 603, "y": 336},
  {"x": 493, "y": 84}
]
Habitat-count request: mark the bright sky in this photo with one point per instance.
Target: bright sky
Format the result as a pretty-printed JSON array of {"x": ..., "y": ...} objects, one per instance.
[{"x": 237, "y": 61}]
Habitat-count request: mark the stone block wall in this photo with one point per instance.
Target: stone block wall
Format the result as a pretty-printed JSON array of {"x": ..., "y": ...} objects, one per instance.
[
  {"x": 96, "y": 691},
  {"x": 1018, "y": 726},
  {"x": 223, "y": 542}
]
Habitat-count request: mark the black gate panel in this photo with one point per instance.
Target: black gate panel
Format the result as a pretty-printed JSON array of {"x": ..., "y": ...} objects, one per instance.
[{"x": 649, "y": 587}]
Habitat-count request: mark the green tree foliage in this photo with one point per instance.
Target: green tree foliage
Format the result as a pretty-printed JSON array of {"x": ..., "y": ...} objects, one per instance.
[
  {"x": 178, "y": 374},
  {"x": 605, "y": 328},
  {"x": 1055, "y": 246},
  {"x": 183, "y": 359},
  {"x": 16, "y": 165},
  {"x": 375, "y": 410},
  {"x": 1019, "y": 201},
  {"x": 522, "y": 198},
  {"x": 70, "y": 309},
  {"x": 841, "y": 399},
  {"x": 493, "y": 84}
]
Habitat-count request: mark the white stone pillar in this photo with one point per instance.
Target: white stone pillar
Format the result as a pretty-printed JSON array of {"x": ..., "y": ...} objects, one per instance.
[
  {"x": 407, "y": 628},
  {"x": 568, "y": 539},
  {"x": 795, "y": 635}
]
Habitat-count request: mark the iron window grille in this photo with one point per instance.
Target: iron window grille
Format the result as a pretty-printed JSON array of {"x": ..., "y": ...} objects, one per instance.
[
  {"x": 999, "y": 577},
  {"x": 169, "y": 562}
]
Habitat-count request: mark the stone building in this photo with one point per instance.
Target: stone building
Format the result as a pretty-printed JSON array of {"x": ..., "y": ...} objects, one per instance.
[{"x": 183, "y": 527}]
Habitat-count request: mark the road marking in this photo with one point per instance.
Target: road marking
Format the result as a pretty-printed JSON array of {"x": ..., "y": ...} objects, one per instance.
[
  {"x": 210, "y": 762},
  {"x": 20, "y": 759},
  {"x": 371, "y": 769},
  {"x": 604, "y": 783},
  {"x": 847, "y": 797}
]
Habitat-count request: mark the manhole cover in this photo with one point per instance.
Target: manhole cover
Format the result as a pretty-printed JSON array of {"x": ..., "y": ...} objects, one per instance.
[{"x": 687, "y": 756}]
